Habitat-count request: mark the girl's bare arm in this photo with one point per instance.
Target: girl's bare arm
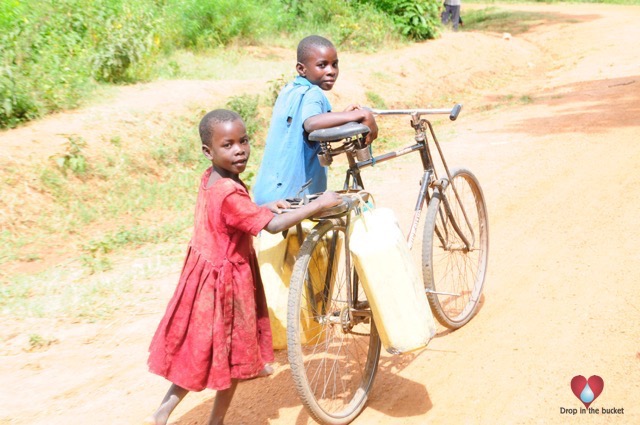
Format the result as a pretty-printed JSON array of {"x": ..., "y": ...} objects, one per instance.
[{"x": 281, "y": 222}]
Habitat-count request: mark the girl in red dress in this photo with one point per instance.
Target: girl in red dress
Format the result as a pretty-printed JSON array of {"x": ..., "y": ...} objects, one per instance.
[{"x": 216, "y": 330}]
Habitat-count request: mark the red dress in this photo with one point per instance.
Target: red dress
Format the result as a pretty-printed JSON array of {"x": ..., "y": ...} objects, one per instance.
[{"x": 216, "y": 327}]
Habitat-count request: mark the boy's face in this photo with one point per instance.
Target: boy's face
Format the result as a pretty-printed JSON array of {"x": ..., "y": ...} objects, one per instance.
[
  {"x": 229, "y": 148},
  {"x": 320, "y": 67}
]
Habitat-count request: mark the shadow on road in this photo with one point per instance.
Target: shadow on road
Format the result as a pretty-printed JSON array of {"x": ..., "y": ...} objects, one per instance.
[{"x": 259, "y": 401}]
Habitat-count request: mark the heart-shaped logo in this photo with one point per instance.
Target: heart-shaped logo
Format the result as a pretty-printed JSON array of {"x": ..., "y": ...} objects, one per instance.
[{"x": 587, "y": 390}]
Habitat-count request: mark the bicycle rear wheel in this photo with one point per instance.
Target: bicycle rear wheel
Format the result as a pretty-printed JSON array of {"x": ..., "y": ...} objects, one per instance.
[
  {"x": 333, "y": 350},
  {"x": 454, "y": 274}
]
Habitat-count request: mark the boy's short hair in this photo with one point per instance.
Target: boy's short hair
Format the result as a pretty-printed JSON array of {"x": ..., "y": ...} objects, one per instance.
[
  {"x": 308, "y": 43},
  {"x": 212, "y": 118}
]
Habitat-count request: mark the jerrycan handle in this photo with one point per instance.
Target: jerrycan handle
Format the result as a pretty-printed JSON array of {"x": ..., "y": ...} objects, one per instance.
[{"x": 361, "y": 206}]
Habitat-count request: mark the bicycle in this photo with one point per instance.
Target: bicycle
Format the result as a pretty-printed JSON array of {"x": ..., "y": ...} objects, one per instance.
[{"x": 332, "y": 340}]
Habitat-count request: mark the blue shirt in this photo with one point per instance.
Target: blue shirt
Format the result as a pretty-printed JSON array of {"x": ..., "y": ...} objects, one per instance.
[{"x": 289, "y": 158}]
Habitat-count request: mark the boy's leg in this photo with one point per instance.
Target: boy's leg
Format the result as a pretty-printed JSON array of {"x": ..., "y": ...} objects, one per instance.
[
  {"x": 221, "y": 404},
  {"x": 169, "y": 402}
]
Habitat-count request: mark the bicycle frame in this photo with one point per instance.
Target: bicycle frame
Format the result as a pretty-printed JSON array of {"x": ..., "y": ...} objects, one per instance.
[{"x": 353, "y": 180}]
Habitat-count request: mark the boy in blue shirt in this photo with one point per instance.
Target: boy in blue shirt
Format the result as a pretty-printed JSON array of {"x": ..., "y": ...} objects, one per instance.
[{"x": 290, "y": 159}]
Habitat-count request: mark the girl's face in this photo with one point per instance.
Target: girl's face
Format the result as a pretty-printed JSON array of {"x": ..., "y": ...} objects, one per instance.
[
  {"x": 320, "y": 67},
  {"x": 229, "y": 150}
]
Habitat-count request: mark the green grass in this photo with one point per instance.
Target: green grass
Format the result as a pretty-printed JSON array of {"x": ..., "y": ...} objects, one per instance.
[
  {"x": 66, "y": 293},
  {"x": 375, "y": 100},
  {"x": 138, "y": 187}
]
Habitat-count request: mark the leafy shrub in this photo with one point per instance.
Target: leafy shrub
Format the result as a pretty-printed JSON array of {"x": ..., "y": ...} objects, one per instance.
[
  {"x": 274, "y": 87},
  {"x": 15, "y": 103},
  {"x": 125, "y": 38},
  {"x": 416, "y": 19},
  {"x": 356, "y": 25},
  {"x": 363, "y": 27},
  {"x": 247, "y": 107},
  {"x": 73, "y": 160}
]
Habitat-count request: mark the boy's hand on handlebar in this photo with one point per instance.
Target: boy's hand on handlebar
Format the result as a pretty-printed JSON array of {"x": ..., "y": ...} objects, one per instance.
[
  {"x": 352, "y": 107},
  {"x": 329, "y": 199},
  {"x": 370, "y": 121}
]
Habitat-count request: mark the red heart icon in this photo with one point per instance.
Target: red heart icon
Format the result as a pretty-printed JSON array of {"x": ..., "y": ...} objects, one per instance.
[{"x": 579, "y": 383}]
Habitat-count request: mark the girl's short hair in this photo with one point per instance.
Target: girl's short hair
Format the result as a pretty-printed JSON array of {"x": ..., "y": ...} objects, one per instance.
[
  {"x": 310, "y": 42},
  {"x": 212, "y": 118}
]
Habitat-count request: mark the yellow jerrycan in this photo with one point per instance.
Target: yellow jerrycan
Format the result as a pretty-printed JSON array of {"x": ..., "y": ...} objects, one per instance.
[
  {"x": 276, "y": 257},
  {"x": 391, "y": 280}
]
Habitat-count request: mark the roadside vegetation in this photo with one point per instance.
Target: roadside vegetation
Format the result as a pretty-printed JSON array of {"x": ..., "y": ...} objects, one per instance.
[
  {"x": 94, "y": 206},
  {"x": 54, "y": 54}
]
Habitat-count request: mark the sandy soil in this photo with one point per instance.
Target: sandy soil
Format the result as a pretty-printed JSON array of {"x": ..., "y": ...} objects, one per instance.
[{"x": 550, "y": 127}]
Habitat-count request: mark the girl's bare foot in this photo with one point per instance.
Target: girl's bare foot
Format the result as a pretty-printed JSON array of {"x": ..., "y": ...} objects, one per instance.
[
  {"x": 266, "y": 371},
  {"x": 170, "y": 401},
  {"x": 155, "y": 420},
  {"x": 160, "y": 417}
]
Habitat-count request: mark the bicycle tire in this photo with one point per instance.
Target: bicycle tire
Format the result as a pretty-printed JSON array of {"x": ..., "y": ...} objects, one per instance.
[
  {"x": 448, "y": 267},
  {"x": 333, "y": 369}
]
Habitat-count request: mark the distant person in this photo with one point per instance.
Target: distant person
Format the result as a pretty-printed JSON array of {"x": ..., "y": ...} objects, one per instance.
[
  {"x": 290, "y": 159},
  {"x": 451, "y": 13},
  {"x": 216, "y": 328}
]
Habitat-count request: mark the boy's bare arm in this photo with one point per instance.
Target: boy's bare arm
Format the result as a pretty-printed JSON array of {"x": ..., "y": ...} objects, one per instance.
[{"x": 334, "y": 119}]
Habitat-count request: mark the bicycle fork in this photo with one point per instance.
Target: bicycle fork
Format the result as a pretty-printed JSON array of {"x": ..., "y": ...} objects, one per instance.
[{"x": 424, "y": 185}]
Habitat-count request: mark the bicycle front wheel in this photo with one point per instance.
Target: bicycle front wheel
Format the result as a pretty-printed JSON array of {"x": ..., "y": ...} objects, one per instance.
[
  {"x": 333, "y": 348},
  {"x": 455, "y": 249}
]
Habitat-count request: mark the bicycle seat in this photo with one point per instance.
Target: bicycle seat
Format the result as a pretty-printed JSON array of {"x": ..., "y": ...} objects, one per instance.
[{"x": 335, "y": 134}]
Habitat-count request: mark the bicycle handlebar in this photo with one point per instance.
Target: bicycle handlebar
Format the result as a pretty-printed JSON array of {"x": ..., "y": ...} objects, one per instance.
[{"x": 453, "y": 112}]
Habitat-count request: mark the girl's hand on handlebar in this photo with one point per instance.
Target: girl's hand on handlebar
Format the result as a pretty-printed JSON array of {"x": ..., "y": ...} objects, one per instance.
[
  {"x": 277, "y": 206},
  {"x": 329, "y": 199}
]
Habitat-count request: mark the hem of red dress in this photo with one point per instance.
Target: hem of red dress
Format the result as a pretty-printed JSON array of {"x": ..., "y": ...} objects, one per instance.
[{"x": 224, "y": 386}]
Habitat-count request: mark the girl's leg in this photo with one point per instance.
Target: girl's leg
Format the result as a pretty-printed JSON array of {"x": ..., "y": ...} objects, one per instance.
[
  {"x": 169, "y": 402},
  {"x": 221, "y": 404}
]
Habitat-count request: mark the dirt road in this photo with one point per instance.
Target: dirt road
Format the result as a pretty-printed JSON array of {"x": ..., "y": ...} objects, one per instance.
[{"x": 551, "y": 127}]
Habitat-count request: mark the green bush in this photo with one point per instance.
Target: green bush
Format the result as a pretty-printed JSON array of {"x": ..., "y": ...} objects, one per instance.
[
  {"x": 126, "y": 37},
  {"x": 247, "y": 107},
  {"x": 416, "y": 19},
  {"x": 355, "y": 25},
  {"x": 42, "y": 60},
  {"x": 53, "y": 53}
]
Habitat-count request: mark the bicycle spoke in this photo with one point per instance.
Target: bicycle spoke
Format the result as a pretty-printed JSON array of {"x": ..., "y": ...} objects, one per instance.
[
  {"x": 454, "y": 274},
  {"x": 333, "y": 368}
]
